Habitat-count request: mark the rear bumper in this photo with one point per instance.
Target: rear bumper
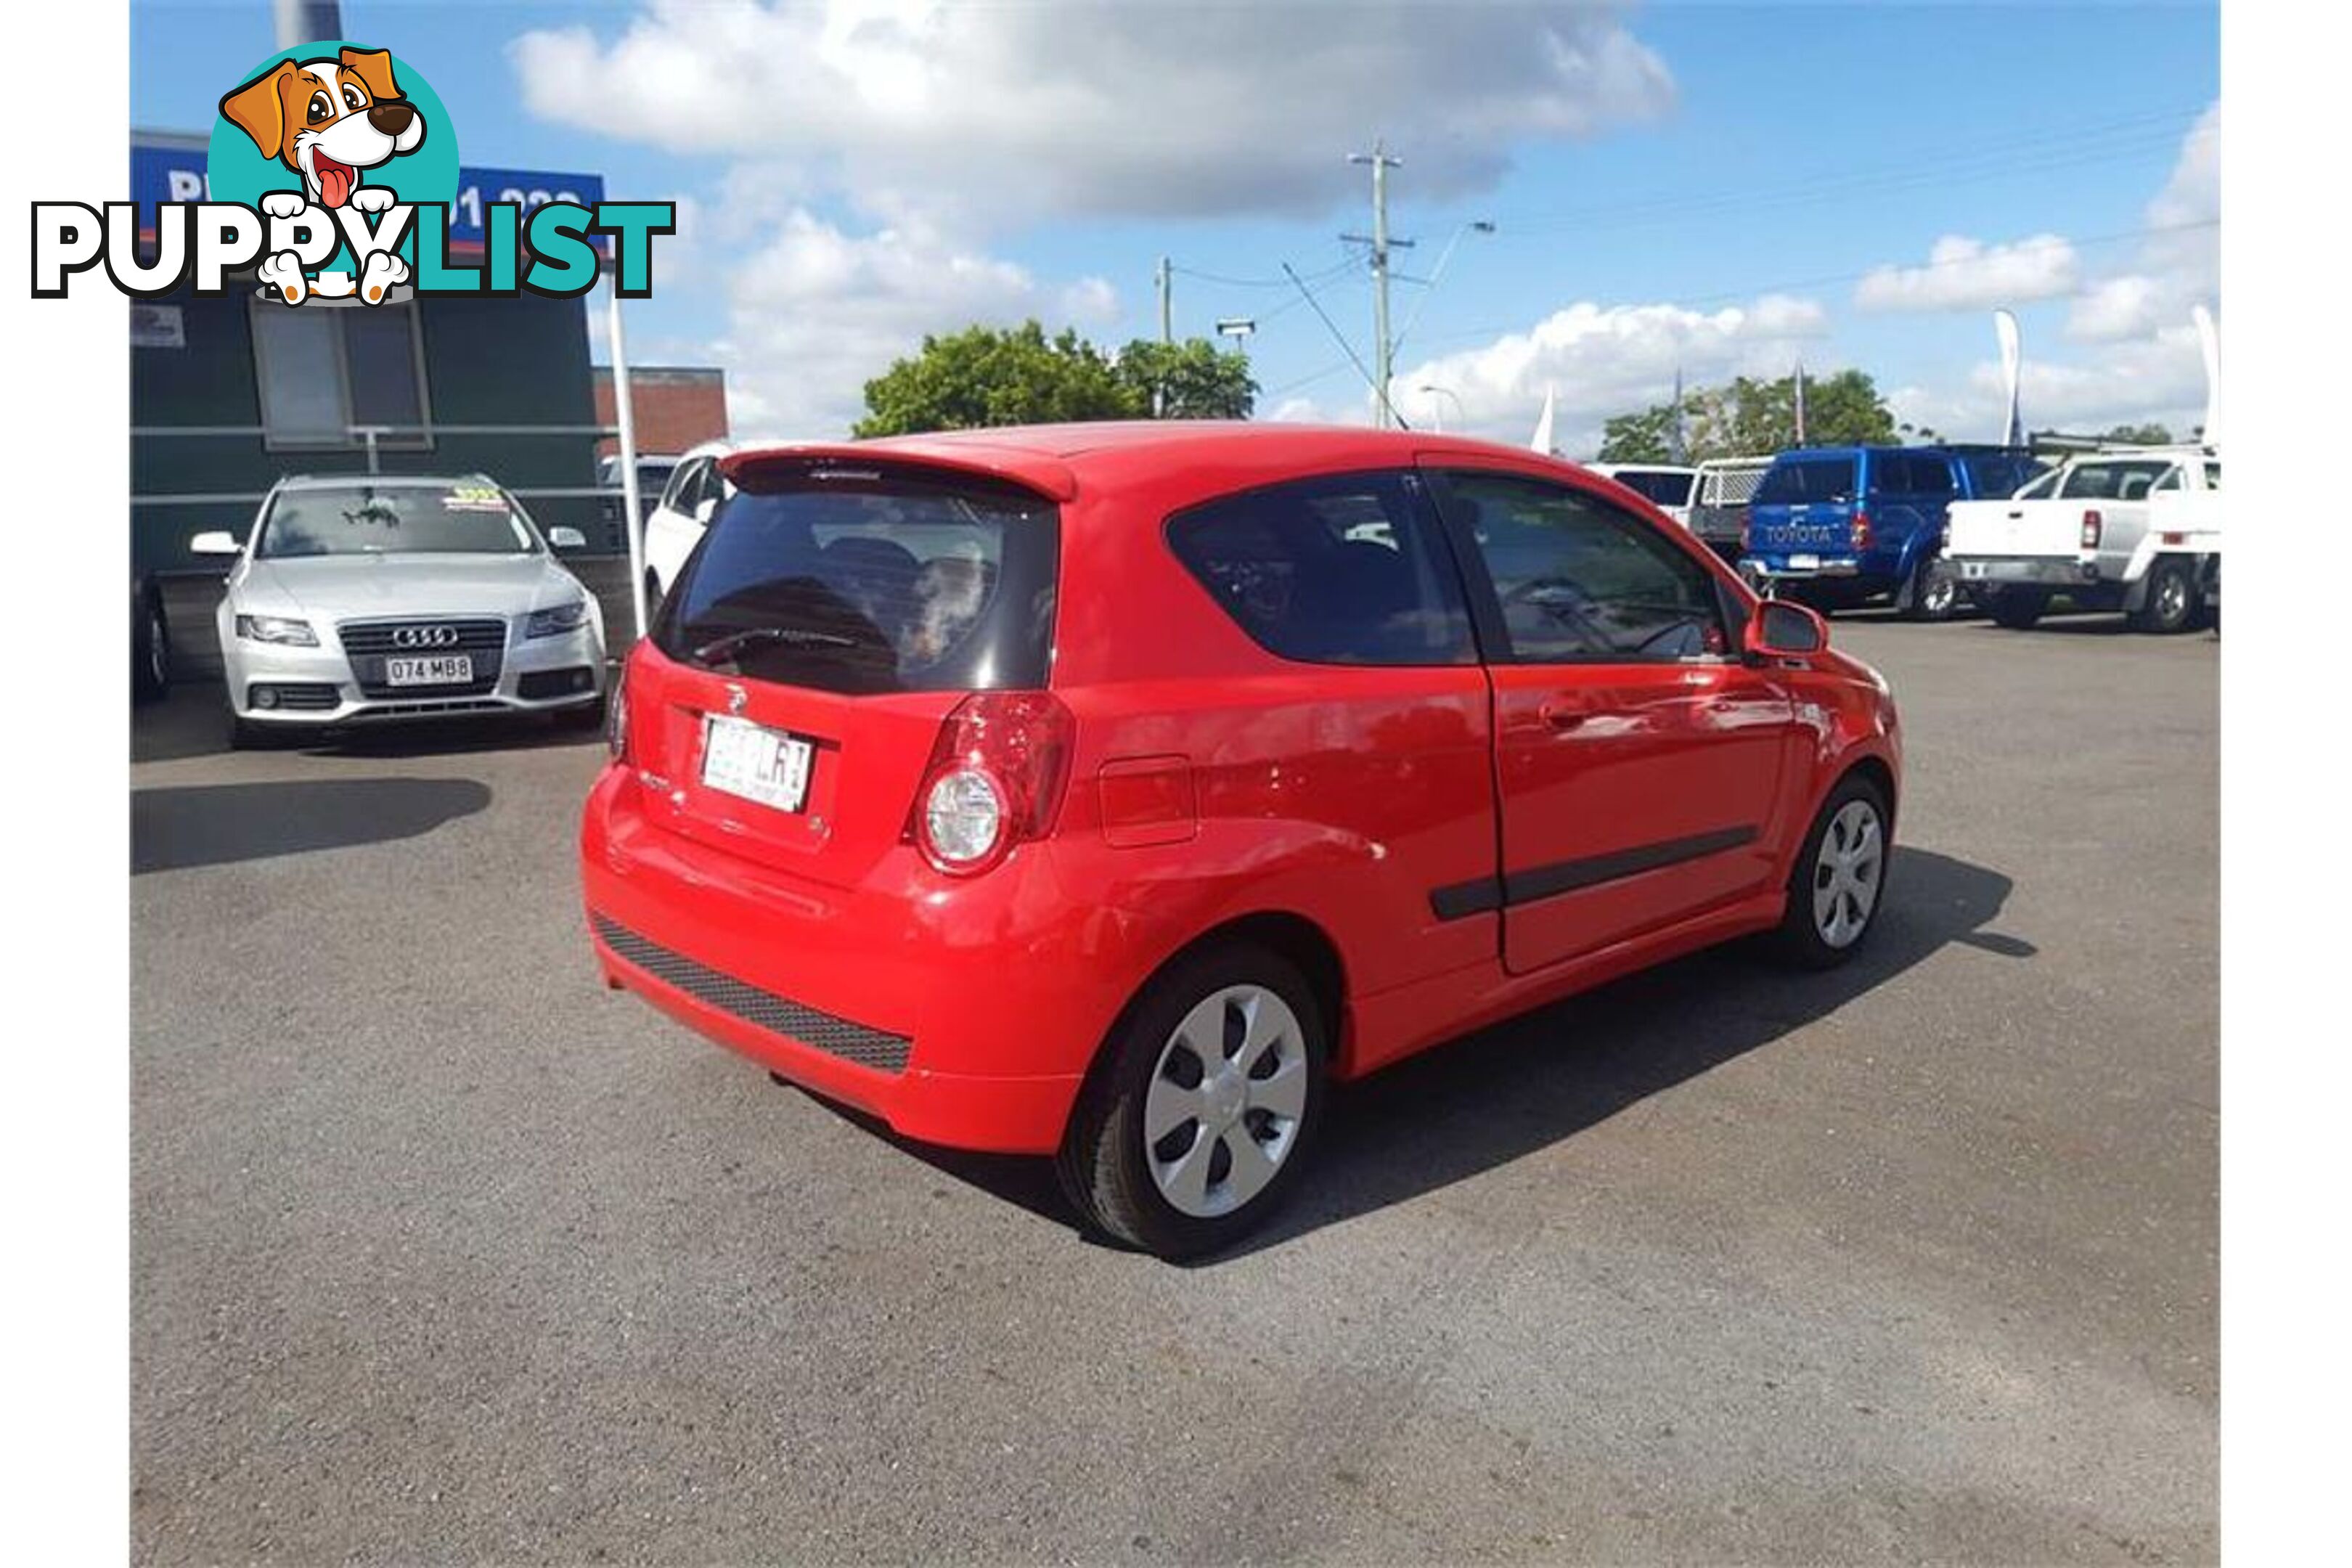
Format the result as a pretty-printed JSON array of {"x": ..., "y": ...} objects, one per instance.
[
  {"x": 1784, "y": 567},
  {"x": 962, "y": 1014},
  {"x": 2041, "y": 571}
]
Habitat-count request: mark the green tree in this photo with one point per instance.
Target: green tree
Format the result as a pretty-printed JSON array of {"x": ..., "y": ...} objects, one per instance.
[
  {"x": 990, "y": 375},
  {"x": 2149, "y": 435},
  {"x": 1644, "y": 437},
  {"x": 1754, "y": 418},
  {"x": 1017, "y": 375},
  {"x": 1191, "y": 380}
]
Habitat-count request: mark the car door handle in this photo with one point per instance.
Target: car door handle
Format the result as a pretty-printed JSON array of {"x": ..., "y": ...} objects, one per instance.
[
  {"x": 1561, "y": 717},
  {"x": 2013, "y": 516}
]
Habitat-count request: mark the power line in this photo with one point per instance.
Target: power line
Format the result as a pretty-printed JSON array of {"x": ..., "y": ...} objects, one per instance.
[
  {"x": 1378, "y": 391},
  {"x": 1759, "y": 289}
]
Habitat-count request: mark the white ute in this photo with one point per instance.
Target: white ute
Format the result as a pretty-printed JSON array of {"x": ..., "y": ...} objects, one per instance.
[{"x": 2137, "y": 529}]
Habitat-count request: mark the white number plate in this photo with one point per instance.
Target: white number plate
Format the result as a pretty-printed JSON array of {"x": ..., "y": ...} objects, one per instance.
[
  {"x": 754, "y": 763},
  {"x": 449, "y": 670},
  {"x": 1804, "y": 562}
]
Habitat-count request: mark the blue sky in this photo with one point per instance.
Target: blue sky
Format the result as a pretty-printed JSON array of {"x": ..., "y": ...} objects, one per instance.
[{"x": 1670, "y": 184}]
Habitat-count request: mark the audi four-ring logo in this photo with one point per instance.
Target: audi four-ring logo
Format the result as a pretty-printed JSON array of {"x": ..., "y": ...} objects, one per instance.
[{"x": 425, "y": 636}]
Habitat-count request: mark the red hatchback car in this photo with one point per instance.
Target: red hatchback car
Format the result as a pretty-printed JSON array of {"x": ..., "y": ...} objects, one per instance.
[{"x": 1105, "y": 791}]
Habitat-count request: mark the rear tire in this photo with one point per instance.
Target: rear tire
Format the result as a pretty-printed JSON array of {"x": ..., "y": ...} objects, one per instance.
[
  {"x": 2017, "y": 608},
  {"x": 2172, "y": 601},
  {"x": 151, "y": 653},
  {"x": 1839, "y": 883},
  {"x": 1226, "y": 1046},
  {"x": 1932, "y": 593}
]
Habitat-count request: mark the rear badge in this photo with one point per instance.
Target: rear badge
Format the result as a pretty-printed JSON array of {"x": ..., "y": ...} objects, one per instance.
[{"x": 737, "y": 699}]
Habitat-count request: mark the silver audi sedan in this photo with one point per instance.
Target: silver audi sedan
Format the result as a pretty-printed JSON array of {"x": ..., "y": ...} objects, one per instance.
[{"x": 368, "y": 598}]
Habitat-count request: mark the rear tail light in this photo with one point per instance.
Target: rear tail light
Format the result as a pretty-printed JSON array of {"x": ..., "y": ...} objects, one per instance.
[
  {"x": 2090, "y": 530},
  {"x": 994, "y": 779},
  {"x": 1861, "y": 531},
  {"x": 616, "y": 715}
]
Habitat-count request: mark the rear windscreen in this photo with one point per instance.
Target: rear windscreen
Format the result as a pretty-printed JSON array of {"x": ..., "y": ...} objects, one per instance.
[
  {"x": 1807, "y": 479},
  {"x": 1655, "y": 486},
  {"x": 865, "y": 581}
]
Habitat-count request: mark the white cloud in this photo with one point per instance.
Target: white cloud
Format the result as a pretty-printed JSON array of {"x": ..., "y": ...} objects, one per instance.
[
  {"x": 815, "y": 312},
  {"x": 2159, "y": 377},
  {"x": 1604, "y": 361},
  {"x": 1172, "y": 108},
  {"x": 1964, "y": 274},
  {"x": 2124, "y": 307}
]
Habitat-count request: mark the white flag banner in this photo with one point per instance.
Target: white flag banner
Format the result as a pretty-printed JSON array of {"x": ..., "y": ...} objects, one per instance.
[{"x": 2012, "y": 360}]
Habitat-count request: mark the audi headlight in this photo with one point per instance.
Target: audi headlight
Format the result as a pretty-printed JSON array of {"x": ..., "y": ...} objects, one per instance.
[
  {"x": 556, "y": 622},
  {"x": 277, "y": 629}
]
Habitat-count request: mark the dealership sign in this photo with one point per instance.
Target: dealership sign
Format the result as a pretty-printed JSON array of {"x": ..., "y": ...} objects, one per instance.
[{"x": 333, "y": 178}]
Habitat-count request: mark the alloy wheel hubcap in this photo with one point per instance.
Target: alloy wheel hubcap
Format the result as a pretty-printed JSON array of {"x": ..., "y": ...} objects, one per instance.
[
  {"x": 1225, "y": 1102},
  {"x": 2172, "y": 597},
  {"x": 1847, "y": 872},
  {"x": 158, "y": 651}
]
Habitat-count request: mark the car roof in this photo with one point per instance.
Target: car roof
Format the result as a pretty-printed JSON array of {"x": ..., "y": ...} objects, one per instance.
[
  {"x": 1060, "y": 459},
  {"x": 380, "y": 481}
]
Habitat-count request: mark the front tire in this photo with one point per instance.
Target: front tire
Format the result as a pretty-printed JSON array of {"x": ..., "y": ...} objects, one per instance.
[
  {"x": 1206, "y": 1102},
  {"x": 1839, "y": 882}
]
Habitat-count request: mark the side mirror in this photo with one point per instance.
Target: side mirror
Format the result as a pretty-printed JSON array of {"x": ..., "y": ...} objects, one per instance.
[
  {"x": 567, "y": 539},
  {"x": 705, "y": 508},
  {"x": 218, "y": 541},
  {"x": 1780, "y": 629}
]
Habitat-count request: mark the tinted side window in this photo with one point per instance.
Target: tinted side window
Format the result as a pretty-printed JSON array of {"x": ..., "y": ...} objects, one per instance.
[
  {"x": 1579, "y": 579},
  {"x": 1330, "y": 571},
  {"x": 683, "y": 480},
  {"x": 1930, "y": 476}
]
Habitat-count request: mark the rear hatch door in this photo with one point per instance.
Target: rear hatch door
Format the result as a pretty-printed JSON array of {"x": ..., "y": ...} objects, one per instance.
[
  {"x": 1805, "y": 505},
  {"x": 832, "y": 618}
]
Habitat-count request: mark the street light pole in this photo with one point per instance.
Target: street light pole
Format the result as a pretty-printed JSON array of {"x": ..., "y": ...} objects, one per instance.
[
  {"x": 1383, "y": 351},
  {"x": 1436, "y": 392}
]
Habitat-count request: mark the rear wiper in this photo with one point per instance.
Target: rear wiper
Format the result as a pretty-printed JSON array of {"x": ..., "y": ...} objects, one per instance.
[{"x": 796, "y": 636}]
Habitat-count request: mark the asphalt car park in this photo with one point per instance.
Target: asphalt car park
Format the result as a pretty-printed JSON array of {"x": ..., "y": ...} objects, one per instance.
[{"x": 441, "y": 1250}]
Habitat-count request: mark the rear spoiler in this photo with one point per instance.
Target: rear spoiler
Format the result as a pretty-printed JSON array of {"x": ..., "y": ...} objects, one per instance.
[{"x": 1031, "y": 470}]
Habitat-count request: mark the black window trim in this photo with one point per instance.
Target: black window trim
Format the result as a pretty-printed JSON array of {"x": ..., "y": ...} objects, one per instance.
[
  {"x": 1444, "y": 561},
  {"x": 1486, "y": 606}
]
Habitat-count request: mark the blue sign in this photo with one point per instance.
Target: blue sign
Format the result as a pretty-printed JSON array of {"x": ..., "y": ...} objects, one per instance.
[{"x": 167, "y": 174}]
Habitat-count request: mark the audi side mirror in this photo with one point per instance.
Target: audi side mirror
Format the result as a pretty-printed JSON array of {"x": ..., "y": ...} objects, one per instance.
[
  {"x": 567, "y": 539},
  {"x": 1780, "y": 629},
  {"x": 215, "y": 542}
]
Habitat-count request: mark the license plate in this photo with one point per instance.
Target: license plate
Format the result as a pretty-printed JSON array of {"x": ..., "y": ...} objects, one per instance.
[
  {"x": 754, "y": 763},
  {"x": 1804, "y": 562},
  {"x": 448, "y": 669}
]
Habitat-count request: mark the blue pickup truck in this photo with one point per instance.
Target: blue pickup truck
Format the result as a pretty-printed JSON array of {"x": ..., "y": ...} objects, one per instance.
[{"x": 1835, "y": 526}]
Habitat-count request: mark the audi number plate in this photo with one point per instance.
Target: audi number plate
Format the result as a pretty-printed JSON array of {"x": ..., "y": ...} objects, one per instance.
[
  {"x": 754, "y": 763},
  {"x": 445, "y": 669}
]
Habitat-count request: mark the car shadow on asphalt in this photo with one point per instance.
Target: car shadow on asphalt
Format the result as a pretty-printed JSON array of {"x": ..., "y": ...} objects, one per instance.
[
  {"x": 1489, "y": 1097},
  {"x": 173, "y": 828}
]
